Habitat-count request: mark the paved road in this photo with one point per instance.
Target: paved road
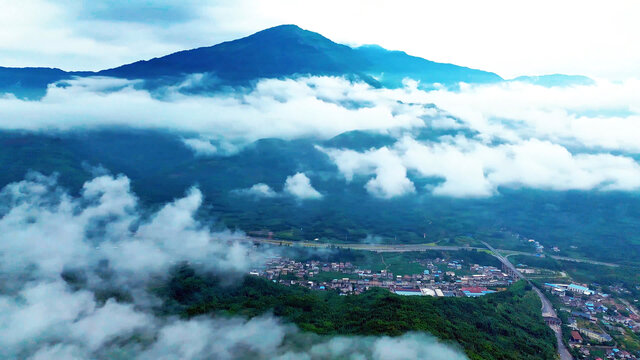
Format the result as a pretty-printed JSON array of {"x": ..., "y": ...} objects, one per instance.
[
  {"x": 547, "y": 308},
  {"x": 409, "y": 247},
  {"x": 363, "y": 246},
  {"x": 630, "y": 307},
  {"x": 558, "y": 257}
]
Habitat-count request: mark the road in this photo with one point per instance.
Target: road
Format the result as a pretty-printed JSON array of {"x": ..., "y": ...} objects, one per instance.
[
  {"x": 558, "y": 257},
  {"x": 409, "y": 247},
  {"x": 362, "y": 246},
  {"x": 547, "y": 308},
  {"x": 630, "y": 307}
]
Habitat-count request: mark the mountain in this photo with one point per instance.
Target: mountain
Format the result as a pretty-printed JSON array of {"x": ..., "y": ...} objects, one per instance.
[
  {"x": 281, "y": 51},
  {"x": 288, "y": 50},
  {"x": 29, "y": 82},
  {"x": 556, "y": 80},
  {"x": 391, "y": 67}
]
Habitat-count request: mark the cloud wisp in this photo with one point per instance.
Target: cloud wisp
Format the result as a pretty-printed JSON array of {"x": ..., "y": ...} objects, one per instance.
[
  {"x": 259, "y": 190},
  {"x": 297, "y": 186}
]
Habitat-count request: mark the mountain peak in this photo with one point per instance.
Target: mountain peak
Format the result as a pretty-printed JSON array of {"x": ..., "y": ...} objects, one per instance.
[
  {"x": 283, "y": 28},
  {"x": 279, "y": 51},
  {"x": 290, "y": 32}
]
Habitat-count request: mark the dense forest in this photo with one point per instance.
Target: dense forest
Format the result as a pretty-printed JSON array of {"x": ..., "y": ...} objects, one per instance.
[{"x": 505, "y": 325}]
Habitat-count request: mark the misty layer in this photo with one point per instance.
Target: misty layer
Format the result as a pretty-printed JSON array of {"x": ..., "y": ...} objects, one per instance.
[
  {"x": 76, "y": 272},
  {"x": 287, "y": 109},
  {"x": 472, "y": 141}
]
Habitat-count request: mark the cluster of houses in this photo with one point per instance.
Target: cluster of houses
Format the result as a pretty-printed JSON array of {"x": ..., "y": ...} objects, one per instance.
[
  {"x": 439, "y": 278},
  {"x": 539, "y": 247},
  {"x": 593, "y": 316}
]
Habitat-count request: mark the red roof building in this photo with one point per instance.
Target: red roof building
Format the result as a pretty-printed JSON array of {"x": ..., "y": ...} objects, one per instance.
[{"x": 575, "y": 336}]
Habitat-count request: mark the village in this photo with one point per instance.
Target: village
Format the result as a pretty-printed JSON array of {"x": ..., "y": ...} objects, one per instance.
[
  {"x": 440, "y": 277},
  {"x": 599, "y": 323}
]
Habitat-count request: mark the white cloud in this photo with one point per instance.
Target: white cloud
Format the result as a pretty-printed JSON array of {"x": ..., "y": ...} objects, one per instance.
[
  {"x": 231, "y": 339},
  {"x": 107, "y": 322},
  {"x": 42, "y": 316},
  {"x": 390, "y": 178},
  {"x": 299, "y": 186},
  {"x": 603, "y": 115},
  {"x": 38, "y": 311},
  {"x": 274, "y": 108},
  {"x": 568, "y": 122},
  {"x": 47, "y": 229},
  {"x": 58, "y": 351},
  {"x": 266, "y": 338},
  {"x": 412, "y": 347},
  {"x": 258, "y": 190},
  {"x": 472, "y": 168},
  {"x": 200, "y": 147},
  {"x": 49, "y": 320}
]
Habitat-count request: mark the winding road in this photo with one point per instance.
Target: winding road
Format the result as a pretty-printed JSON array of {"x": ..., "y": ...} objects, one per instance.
[{"x": 547, "y": 308}]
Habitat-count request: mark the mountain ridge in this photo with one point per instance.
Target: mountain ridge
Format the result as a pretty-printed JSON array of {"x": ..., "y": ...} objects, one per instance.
[{"x": 277, "y": 52}]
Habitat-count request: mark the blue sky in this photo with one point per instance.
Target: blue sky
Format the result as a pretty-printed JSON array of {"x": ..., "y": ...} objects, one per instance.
[{"x": 507, "y": 37}]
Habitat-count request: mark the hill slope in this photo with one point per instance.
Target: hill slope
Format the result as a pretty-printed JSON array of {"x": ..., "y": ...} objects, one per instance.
[{"x": 506, "y": 325}]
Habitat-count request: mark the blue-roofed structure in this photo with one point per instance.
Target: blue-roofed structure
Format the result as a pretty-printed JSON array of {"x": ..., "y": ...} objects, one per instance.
[{"x": 408, "y": 292}]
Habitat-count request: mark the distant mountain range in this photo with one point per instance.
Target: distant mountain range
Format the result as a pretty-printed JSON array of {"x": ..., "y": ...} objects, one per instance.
[{"x": 281, "y": 51}]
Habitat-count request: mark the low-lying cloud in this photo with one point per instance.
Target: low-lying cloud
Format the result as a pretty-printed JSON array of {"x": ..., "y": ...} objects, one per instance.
[
  {"x": 603, "y": 115},
  {"x": 299, "y": 186},
  {"x": 287, "y": 109},
  {"x": 512, "y": 134},
  {"x": 259, "y": 190},
  {"x": 470, "y": 168},
  {"x": 59, "y": 250},
  {"x": 44, "y": 230},
  {"x": 200, "y": 147},
  {"x": 105, "y": 240}
]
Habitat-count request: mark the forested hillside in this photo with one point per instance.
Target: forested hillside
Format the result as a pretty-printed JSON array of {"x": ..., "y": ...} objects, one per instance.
[{"x": 506, "y": 325}]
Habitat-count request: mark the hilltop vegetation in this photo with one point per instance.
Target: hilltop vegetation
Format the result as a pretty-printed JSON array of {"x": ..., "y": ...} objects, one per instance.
[{"x": 506, "y": 325}]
